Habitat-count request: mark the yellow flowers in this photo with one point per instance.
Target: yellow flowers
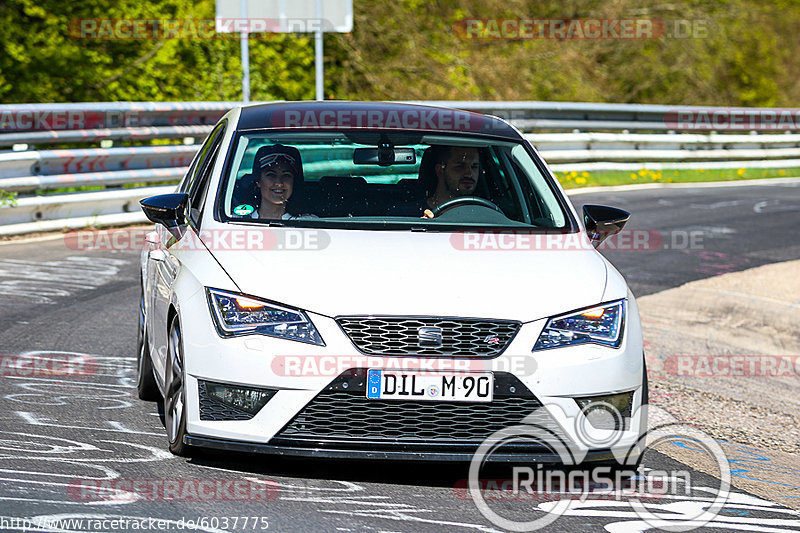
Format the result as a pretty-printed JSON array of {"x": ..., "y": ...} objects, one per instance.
[
  {"x": 654, "y": 175},
  {"x": 573, "y": 176},
  {"x": 575, "y": 179}
]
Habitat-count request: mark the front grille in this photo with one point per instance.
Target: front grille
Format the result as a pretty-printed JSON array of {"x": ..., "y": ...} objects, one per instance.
[
  {"x": 342, "y": 413},
  {"x": 460, "y": 337},
  {"x": 348, "y": 415}
]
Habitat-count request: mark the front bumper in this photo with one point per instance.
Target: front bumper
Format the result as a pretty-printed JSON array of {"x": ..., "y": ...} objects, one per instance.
[
  {"x": 398, "y": 452},
  {"x": 552, "y": 377},
  {"x": 340, "y": 423}
]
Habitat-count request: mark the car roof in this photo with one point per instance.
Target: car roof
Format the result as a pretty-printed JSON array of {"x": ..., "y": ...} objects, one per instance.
[{"x": 387, "y": 116}]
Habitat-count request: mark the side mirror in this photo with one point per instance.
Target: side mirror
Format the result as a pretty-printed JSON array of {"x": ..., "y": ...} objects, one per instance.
[
  {"x": 167, "y": 210},
  {"x": 602, "y": 221}
]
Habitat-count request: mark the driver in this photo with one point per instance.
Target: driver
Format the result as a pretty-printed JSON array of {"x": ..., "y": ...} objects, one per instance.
[{"x": 457, "y": 169}]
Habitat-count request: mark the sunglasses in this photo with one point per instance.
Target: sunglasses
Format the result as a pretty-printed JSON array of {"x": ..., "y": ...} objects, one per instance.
[{"x": 271, "y": 159}]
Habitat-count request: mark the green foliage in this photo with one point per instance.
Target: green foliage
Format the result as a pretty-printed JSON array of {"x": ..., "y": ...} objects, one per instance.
[
  {"x": 411, "y": 49},
  {"x": 8, "y": 198}
]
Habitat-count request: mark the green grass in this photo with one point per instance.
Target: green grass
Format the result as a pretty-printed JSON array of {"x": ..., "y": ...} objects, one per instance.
[{"x": 578, "y": 179}]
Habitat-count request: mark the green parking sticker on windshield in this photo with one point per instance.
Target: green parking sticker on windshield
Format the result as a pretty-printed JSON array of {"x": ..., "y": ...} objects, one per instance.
[{"x": 243, "y": 209}]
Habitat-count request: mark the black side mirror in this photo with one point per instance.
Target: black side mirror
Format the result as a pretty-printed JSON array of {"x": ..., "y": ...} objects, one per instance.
[
  {"x": 167, "y": 210},
  {"x": 602, "y": 221}
]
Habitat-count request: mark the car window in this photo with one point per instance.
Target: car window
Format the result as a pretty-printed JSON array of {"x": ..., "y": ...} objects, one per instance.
[
  {"x": 340, "y": 180},
  {"x": 197, "y": 193},
  {"x": 197, "y": 198},
  {"x": 199, "y": 159}
]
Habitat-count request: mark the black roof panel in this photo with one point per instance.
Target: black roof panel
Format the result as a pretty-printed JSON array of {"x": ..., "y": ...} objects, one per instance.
[{"x": 342, "y": 115}]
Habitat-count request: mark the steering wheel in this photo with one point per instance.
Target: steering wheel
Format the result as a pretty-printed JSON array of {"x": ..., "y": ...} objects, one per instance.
[{"x": 464, "y": 200}]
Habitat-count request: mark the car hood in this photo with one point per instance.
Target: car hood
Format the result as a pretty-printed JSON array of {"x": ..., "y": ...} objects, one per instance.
[{"x": 354, "y": 272}]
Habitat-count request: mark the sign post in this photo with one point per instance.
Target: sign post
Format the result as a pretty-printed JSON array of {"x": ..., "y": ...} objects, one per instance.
[
  {"x": 318, "y": 57},
  {"x": 284, "y": 16},
  {"x": 245, "y": 53}
]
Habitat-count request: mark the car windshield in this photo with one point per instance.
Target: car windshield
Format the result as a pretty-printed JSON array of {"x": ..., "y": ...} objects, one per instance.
[{"x": 387, "y": 180}]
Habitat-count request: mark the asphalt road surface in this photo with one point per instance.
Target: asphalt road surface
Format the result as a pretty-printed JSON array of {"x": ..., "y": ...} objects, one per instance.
[{"x": 62, "y": 434}]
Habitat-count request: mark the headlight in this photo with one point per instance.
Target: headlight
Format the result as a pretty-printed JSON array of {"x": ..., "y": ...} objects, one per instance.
[
  {"x": 599, "y": 325},
  {"x": 237, "y": 314}
]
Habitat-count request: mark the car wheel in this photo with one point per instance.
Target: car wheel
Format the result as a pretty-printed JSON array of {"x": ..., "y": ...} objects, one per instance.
[
  {"x": 175, "y": 392},
  {"x": 146, "y": 386}
]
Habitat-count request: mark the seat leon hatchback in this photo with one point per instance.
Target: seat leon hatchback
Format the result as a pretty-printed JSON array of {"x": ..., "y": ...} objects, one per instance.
[{"x": 383, "y": 281}]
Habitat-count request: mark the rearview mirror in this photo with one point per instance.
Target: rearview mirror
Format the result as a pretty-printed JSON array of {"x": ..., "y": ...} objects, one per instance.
[
  {"x": 385, "y": 156},
  {"x": 602, "y": 221},
  {"x": 167, "y": 210}
]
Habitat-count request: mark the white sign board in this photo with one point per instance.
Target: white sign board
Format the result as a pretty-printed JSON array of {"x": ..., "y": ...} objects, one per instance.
[{"x": 284, "y": 16}]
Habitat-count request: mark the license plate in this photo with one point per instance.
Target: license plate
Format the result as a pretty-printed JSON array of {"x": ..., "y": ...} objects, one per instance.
[{"x": 429, "y": 386}]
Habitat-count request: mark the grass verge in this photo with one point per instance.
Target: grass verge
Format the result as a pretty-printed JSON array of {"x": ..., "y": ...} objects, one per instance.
[{"x": 578, "y": 179}]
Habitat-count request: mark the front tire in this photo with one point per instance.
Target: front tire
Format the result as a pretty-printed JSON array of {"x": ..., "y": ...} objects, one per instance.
[{"x": 175, "y": 393}]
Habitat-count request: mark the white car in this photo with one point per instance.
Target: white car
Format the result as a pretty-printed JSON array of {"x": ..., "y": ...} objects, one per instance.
[{"x": 381, "y": 280}]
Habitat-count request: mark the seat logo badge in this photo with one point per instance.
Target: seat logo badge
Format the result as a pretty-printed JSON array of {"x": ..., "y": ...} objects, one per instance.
[
  {"x": 429, "y": 336},
  {"x": 491, "y": 339}
]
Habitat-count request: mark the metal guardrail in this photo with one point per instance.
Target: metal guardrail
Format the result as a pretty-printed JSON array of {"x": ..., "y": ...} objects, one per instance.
[
  {"x": 101, "y": 134},
  {"x": 586, "y": 116},
  {"x": 29, "y": 172}
]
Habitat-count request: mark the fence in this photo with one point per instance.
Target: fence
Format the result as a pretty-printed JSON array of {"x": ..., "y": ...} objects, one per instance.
[{"x": 570, "y": 136}]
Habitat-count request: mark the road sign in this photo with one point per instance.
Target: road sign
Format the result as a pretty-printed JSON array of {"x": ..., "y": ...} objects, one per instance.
[{"x": 283, "y": 16}]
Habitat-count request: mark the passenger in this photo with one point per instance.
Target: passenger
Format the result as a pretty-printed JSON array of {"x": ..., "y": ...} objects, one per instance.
[{"x": 279, "y": 174}]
